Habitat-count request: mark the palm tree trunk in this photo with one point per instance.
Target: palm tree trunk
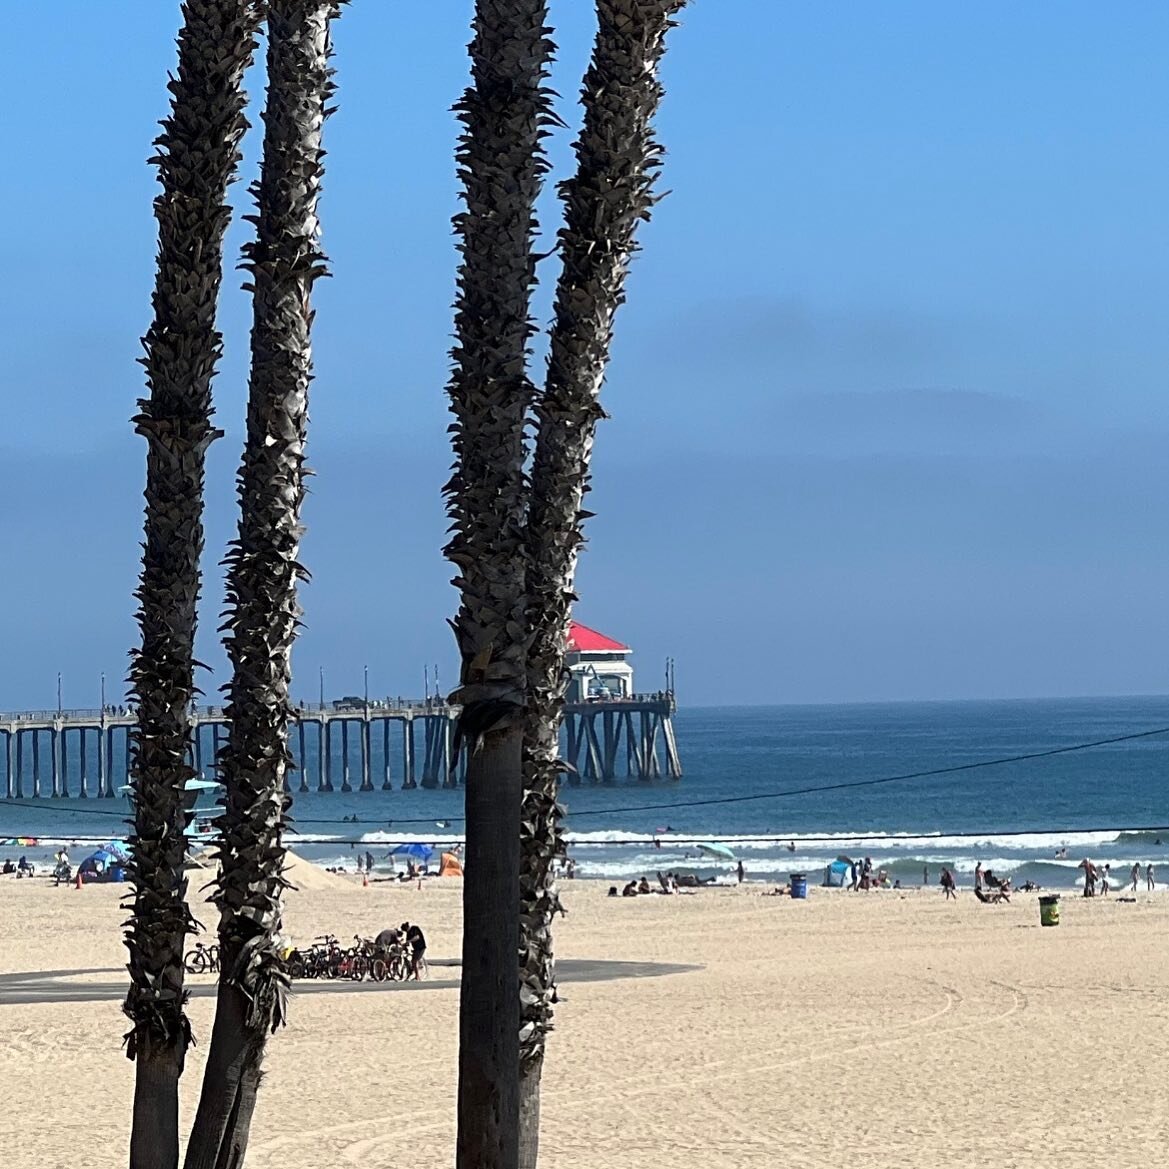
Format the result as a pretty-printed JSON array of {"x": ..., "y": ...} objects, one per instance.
[
  {"x": 504, "y": 112},
  {"x": 611, "y": 192},
  {"x": 263, "y": 571},
  {"x": 197, "y": 155}
]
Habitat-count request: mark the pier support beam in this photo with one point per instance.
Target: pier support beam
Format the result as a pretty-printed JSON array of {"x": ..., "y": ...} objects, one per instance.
[
  {"x": 9, "y": 778},
  {"x": 322, "y": 755},
  {"x": 386, "y": 786},
  {"x": 448, "y": 733},
  {"x": 83, "y": 789},
  {"x": 36, "y": 765},
  {"x": 60, "y": 764},
  {"x": 346, "y": 786},
  {"x": 327, "y": 786},
  {"x": 300, "y": 758},
  {"x": 408, "y": 781},
  {"x": 366, "y": 762}
]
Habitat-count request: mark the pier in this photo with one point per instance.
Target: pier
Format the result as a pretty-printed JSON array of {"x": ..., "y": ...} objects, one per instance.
[{"x": 340, "y": 746}]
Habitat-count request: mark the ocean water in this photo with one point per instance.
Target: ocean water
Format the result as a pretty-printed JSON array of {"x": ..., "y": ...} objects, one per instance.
[{"x": 1014, "y": 818}]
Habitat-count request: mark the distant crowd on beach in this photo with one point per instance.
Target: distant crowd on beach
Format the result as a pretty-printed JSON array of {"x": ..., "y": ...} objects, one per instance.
[{"x": 1098, "y": 878}]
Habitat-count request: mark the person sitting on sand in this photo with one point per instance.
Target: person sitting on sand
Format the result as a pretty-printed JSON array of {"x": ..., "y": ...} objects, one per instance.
[
  {"x": 947, "y": 883},
  {"x": 630, "y": 890},
  {"x": 643, "y": 886}
]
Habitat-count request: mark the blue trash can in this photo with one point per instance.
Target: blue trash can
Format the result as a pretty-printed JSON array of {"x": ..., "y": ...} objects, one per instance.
[{"x": 799, "y": 884}]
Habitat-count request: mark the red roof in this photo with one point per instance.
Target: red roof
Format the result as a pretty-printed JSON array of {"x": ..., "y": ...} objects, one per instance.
[{"x": 585, "y": 640}]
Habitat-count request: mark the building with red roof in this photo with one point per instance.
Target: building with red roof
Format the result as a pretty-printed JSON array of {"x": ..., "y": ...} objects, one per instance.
[{"x": 598, "y": 664}]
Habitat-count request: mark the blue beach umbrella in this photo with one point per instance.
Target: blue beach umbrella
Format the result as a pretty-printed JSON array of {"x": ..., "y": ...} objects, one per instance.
[{"x": 418, "y": 852}]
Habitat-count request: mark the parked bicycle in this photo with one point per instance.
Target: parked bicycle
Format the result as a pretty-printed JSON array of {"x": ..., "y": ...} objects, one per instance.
[{"x": 202, "y": 959}]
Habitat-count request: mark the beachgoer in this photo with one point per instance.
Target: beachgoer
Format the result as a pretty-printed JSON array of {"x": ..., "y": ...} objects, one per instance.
[
  {"x": 791, "y": 846},
  {"x": 740, "y": 872},
  {"x": 856, "y": 877},
  {"x": 369, "y": 862},
  {"x": 388, "y": 938},
  {"x": 1104, "y": 879},
  {"x": 643, "y": 886},
  {"x": 1149, "y": 882},
  {"x": 978, "y": 875},
  {"x": 1136, "y": 874},
  {"x": 925, "y": 874},
  {"x": 867, "y": 873},
  {"x": 948, "y": 884},
  {"x": 416, "y": 940},
  {"x": 630, "y": 890},
  {"x": 361, "y": 864}
]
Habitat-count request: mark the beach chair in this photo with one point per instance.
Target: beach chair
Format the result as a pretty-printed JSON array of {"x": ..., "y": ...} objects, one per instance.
[{"x": 993, "y": 898}]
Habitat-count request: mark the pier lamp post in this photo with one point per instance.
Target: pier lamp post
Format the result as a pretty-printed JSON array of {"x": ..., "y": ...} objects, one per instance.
[
  {"x": 365, "y": 671},
  {"x": 322, "y": 687},
  {"x": 58, "y": 693},
  {"x": 103, "y": 692}
]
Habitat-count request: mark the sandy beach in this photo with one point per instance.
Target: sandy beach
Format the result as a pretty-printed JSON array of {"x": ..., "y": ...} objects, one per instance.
[{"x": 884, "y": 1029}]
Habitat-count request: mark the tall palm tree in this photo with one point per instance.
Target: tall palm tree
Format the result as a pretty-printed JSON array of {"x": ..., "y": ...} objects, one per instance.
[
  {"x": 505, "y": 112},
  {"x": 611, "y": 192},
  {"x": 197, "y": 155},
  {"x": 263, "y": 615}
]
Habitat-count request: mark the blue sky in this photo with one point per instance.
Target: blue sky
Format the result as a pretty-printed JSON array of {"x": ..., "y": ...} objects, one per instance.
[{"x": 888, "y": 396}]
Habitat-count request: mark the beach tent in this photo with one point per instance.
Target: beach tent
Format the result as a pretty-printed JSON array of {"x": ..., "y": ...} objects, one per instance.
[
  {"x": 104, "y": 865},
  {"x": 450, "y": 866},
  {"x": 838, "y": 873}
]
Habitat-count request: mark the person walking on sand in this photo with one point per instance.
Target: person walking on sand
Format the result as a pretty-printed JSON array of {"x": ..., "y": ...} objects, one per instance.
[
  {"x": 948, "y": 884},
  {"x": 741, "y": 872},
  {"x": 1105, "y": 876},
  {"x": 978, "y": 876},
  {"x": 1136, "y": 874},
  {"x": 1150, "y": 884},
  {"x": 856, "y": 877},
  {"x": 925, "y": 875}
]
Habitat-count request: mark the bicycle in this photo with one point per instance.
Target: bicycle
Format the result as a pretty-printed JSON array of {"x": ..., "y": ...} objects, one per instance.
[{"x": 202, "y": 959}]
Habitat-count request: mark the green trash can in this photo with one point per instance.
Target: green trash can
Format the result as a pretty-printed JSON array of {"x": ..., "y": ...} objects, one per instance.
[{"x": 1049, "y": 910}]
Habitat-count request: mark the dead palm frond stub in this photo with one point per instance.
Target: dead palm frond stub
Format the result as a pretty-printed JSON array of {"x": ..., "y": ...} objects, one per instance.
[
  {"x": 610, "y": 193},
  {"x": 197, "y": 156},
  {"x": 263, "y": 614},
  {"x": 504, "y": 113}
]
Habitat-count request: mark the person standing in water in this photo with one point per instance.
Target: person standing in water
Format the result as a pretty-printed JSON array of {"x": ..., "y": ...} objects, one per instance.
[{"x": 741, "y": 872}]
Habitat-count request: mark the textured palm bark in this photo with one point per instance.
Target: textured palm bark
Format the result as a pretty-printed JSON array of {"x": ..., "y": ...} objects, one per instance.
[
  {"x": 263, "y": 615},
  {"x": 611, "y": 192},
  {"x": 197, "y": 156},
  {"x": 504, "y": 114}
]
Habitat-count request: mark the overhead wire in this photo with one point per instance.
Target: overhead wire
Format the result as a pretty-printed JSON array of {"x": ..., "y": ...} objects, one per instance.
[{"x": 712, "y": 801}]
